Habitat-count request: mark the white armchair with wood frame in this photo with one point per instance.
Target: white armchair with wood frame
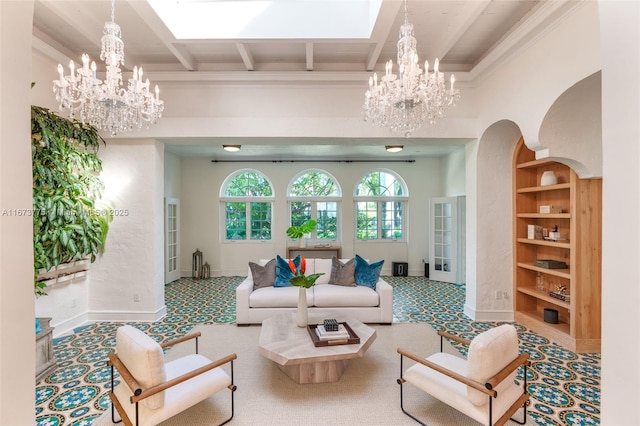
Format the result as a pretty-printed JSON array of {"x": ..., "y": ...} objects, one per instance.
[
  {"x": 150, "y": 390},
  {"x": 482, "y": 386}
]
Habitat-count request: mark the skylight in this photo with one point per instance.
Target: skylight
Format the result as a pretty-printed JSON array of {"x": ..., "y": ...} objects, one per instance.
[{"x": 268, "y": 19}]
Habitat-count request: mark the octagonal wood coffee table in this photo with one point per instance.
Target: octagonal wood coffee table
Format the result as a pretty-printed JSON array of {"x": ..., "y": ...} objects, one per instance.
[{"x": 293, "y": 351}]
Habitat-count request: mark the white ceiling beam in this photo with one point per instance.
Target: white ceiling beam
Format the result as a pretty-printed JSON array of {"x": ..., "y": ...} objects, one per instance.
[
  {"x": 381, "y": 31},
  {"x": 246, "y": 56},
  {"x": 447, "y": 41},
  {"x": 149, "y": 16},
  {"x": 309, "y": 55},
  {"x": 51, "y": 48}
]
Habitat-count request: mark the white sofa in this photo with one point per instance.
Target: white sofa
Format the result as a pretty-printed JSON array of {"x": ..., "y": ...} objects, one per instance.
[{"x": 360, "y": 302}]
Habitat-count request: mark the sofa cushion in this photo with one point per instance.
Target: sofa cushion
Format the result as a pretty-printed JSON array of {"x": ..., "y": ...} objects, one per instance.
[
  {"x": 144, "y": 359},
  {"x": 278, "y": 297},
  {"x": 343, "y": 273},
  {"x": 366, "y": 273},
  {"x": 263, "y": 276},
  {"x": 322, "y": 266},
  {"x": 283, "y": 271},
  {"x": 328, "y": 296}
]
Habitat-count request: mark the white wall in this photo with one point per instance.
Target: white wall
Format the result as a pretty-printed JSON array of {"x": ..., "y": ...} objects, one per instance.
[
  {"x": 132, "y": 266},
  {"x": 17, "y": 331},
  {"x": 171, "y": 175},
  {"x": 454, "y": 176},
  {"x": 201, "y": 225},
  {"x": 621, "y": 208}
]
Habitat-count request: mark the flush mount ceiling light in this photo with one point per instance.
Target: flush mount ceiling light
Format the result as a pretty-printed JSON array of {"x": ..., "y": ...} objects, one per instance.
[
  {"x": 405, "y": 102},
  {"x": 108, "y": 105},
  {"x": 393, "y": 148},
  {"x": 231, "y": 148}
]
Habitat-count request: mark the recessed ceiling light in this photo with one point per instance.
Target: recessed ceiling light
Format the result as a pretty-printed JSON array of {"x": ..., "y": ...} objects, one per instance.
[
  {"x": 394, "y": 148},
  {"x": 231, "y": 148}
]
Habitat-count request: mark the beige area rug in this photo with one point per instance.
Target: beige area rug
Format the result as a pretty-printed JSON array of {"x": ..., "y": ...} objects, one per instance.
[{"x": 367, "y": 393}]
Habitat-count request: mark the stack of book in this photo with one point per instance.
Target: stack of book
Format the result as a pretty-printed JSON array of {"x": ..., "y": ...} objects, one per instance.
[
  {"x": 564, "y": 297},
  {"x": 323, "y": 334}
]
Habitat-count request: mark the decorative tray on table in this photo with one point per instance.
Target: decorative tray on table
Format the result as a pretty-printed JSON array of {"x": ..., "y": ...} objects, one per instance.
[{"x": 349, "y": 339}]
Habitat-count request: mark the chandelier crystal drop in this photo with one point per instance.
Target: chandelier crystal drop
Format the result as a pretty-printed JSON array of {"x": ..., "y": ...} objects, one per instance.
[
  {"x": 405, "y": 102},
  {"x": 108, "y": 105}
]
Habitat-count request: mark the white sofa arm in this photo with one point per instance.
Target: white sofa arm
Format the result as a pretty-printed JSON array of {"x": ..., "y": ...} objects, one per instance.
[
  {"x": 242, "y": 300},
  {"x": 385, "y": 294}
]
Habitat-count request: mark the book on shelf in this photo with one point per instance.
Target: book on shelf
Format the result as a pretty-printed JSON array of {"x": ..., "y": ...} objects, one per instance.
[
  {"x": 323, "y": 334},
  {"x": 560, "y": 296}
]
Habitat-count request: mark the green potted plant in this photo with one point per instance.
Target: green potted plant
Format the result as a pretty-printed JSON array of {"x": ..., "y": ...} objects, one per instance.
[{"x": 299, "y": 231}]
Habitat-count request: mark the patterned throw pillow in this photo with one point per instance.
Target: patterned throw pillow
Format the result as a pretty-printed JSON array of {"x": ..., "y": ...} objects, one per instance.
[
  {"x": 283, "y": 272},
  {"x": 263, "y": 276},
  {"x": 343, "y": 273},
  {"x": 367, "y": 274}
]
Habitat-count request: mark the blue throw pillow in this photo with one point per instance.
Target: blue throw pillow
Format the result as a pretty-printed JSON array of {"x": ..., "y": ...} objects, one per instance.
[
  {"x": 367, "y": 274},
  {"x": 283, "y": 272}
]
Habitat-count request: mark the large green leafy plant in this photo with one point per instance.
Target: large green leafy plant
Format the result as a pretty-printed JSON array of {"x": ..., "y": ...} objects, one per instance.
[{"x": 67, "y": 226}]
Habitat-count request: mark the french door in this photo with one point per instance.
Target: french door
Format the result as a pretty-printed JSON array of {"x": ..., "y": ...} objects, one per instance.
[
  {"x": 171, "y": 240},
  {"x": 446, "y": 255}
]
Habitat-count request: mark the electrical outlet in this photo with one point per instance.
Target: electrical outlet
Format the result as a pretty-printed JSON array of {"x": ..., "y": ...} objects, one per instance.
[
  {"x": 498, "y": 295},
  {"x": 136, "y": 297},
  {"x": 505, "y": 295}
]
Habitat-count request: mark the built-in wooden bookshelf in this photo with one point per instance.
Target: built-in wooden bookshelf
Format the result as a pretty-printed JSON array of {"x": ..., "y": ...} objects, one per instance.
[{"x": 579, "y": 246}]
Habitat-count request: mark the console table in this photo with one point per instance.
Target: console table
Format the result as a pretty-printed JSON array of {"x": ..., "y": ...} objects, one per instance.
[{"x": 325, "y": 252}]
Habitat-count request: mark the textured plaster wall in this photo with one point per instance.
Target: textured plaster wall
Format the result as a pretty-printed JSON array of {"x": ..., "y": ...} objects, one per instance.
[{"x": 133, "y": 263}]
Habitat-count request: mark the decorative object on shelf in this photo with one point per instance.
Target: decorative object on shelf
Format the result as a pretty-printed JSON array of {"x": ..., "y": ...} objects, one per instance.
[
  {"x": 405, "y": 102},
  {"x": 560, "y": 296},
  {"x": 303, "y": 282},
  {"x": 550, "y": 316},
  {"x": 196, "y": 265},
  {"x": 540, "y": 285},
  {"x": 550, "y": 264},
  {"x": 548, "y": 178},
  {"x": 555, "y": 234},
  {"x": 299, "y": 231},
  {"x": 561, "y": 289},
  {"x": 549, "y": 209},
  {"x": 534, "y": 232},
  {"x": 108, "y": 105},
  {"x": 206, "y": 271}
]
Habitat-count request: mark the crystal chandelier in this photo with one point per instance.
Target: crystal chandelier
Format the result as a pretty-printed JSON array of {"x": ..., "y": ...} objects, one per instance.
[
  {"x": 404, "y": 102},
  {"x": 107, "y": 105}
]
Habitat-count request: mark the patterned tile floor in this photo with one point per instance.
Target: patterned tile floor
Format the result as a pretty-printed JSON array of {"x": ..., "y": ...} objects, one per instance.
[{"x": 564, "y": 386}]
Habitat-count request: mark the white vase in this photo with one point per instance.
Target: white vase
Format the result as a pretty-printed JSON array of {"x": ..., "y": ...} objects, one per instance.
[
  {"x": 301, "y": 314},
  {"x": 301, "y": 242},
  {"x": 548, "y": 178}
]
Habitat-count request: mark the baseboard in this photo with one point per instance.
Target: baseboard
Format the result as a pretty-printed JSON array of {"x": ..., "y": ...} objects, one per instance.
[
  {"x": 488, "y": 316},
  {"x": 67, "y": 326}
]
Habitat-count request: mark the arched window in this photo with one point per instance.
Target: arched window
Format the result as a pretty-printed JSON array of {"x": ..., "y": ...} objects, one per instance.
[
  {"x": 380, "y": 202},
  {"x": 247, "y": 199},
  {"x": 315, "y": 194}
]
